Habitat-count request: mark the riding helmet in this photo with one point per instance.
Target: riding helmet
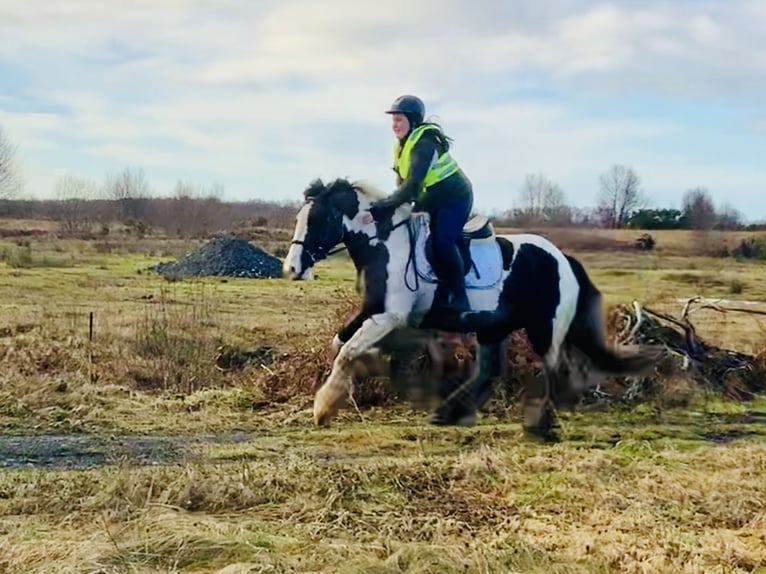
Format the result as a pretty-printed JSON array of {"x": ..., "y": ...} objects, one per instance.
[{"x": 411, "y": 106}]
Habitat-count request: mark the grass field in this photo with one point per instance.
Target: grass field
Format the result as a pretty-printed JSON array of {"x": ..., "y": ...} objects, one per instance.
[{"x": 233, "y": 477}]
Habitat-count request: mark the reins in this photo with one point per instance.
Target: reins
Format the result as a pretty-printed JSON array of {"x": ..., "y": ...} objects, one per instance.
[
  {"x": 314, "y": 259},
  {"x": 343, "y": 247},
  {"x": 411, "y": 261}
]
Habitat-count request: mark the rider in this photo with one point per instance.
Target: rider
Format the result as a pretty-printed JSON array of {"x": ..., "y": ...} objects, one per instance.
[{"x": 428, "y": 176}]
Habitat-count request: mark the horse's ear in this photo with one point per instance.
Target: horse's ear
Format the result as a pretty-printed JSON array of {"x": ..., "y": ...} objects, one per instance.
[
  {"x": 341, "y": 184},
  {"x": 345, "y": 197},
  {"x": 315, "y": 188}
]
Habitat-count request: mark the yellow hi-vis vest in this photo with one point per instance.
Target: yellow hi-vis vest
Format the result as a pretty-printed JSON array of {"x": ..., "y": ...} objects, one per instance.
[{"x": 441, "y": 167}]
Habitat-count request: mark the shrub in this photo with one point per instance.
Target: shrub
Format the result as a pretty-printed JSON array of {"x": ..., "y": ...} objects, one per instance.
[
  {"x": 645, "y": 242},
  {"x": 751, "y": 248}
]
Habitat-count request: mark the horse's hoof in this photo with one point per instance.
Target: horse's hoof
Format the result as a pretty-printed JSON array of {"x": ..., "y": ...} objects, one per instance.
[
  {"x": 438, "y": 419},
  {"x": 452, "y": 417},
  {"x": 467, "y": 420},
  {"x": 546, "y": 427},
  {"x": 549, "y": 435},
  {"x": 322, "y": 419}
]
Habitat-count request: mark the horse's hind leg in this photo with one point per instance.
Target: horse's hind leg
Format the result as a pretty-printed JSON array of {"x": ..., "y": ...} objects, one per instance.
[
  {"x": 572, "y": 377},
  {"x": 538, "y": 405},
  {"x": 539, "y": 391}
]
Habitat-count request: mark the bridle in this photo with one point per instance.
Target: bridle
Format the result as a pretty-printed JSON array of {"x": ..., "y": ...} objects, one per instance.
[{"x": 320, "y": 254}]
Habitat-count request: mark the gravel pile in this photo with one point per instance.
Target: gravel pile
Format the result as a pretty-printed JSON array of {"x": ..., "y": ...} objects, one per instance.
[{"x": 226, "y": 257}]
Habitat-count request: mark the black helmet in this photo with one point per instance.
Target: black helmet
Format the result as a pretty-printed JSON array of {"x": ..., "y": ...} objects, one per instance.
[{"x": 411, "y": 106}]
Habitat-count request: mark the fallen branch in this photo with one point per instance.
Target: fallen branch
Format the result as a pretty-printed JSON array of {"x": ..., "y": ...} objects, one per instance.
[{"x": 737, "y": 375}]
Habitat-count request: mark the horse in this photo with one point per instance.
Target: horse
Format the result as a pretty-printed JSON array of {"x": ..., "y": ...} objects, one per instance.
[{"x": 513, "y": 282}]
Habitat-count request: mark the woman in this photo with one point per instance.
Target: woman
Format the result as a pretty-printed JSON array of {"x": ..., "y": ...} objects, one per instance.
[{"x": 428, "y": 176}]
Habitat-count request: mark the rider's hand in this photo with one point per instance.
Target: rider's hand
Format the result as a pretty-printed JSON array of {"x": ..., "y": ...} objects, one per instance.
[{"x": 381, "y": 211}]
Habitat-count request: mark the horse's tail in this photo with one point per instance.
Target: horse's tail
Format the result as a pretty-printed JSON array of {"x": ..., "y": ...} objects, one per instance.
[{"x": 588, "y": 334}]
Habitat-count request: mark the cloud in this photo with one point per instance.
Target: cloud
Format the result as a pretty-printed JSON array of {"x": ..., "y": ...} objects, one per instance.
[{"x": 265, "y": 95}]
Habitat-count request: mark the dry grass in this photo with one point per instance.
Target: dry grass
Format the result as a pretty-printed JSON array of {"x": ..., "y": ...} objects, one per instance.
[
  {"x": 677, "y": 485},
  {"x": 479, "y": 500},
  {"x": 668, "y": 242}
]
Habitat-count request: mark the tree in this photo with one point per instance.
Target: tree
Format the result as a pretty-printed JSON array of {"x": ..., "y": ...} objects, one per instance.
[
  {"x": 619, "y": 195},
  {"x": 130, "y": 189},
  {"x": 728, "y": 218},
  {"x": 656, "y": 219},
  {"x": 74, "y": 193},
  {"x": 697, "y": 207},
  {"x": 542, "y": 200},
  {"x": 10, "y": 178},
  {"x": 193, "y": 210}
]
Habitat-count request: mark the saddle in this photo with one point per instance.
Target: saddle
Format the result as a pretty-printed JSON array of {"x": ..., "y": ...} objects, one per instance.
[
  {"x": 482, "y": 258},
  {"x": 478, "y": 227}
]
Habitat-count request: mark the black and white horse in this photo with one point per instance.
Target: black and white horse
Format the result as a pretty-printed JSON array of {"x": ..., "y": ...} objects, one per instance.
[{"x": 513, "y": 282}]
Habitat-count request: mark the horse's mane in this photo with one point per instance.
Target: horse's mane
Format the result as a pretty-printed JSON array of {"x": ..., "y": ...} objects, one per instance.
[
  {"x": 369, "y": 189},
  {"x": 315, "y": 189},
  {"x": 318, "y": 188}
]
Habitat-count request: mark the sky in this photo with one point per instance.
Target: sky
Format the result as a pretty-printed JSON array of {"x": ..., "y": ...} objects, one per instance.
[{"x": 262, "y": 96}]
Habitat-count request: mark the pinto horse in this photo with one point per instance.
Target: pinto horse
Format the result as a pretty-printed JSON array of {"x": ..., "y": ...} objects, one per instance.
[{"x": 513, "y": 282}]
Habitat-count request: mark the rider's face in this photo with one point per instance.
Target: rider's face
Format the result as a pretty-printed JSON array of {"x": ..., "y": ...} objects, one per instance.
[{"x": 400, "y": 124}]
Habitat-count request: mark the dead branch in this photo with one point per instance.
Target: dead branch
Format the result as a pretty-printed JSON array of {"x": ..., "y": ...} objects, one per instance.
[{"x": 736, "y": 374}]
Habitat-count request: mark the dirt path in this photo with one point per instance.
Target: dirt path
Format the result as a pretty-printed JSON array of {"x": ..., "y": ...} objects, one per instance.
[
  {"x": 86, "y": 451},
  {"x": 338, "y": 445}
]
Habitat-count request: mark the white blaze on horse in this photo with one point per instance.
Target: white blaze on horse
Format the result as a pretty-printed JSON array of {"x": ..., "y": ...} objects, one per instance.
[{"x": 512, "y": 281}]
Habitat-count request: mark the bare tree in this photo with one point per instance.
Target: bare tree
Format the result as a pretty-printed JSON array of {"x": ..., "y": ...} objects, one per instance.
[
  {"x": 542, "y": 200},
  {"x": 10, "y": 178},
  {"x": 728, "y": 218},
  {"x": 620, "y": 194},
  {"x": 75, "y": 194},
  {"x": 130, "y": 189},
  {"x": 193, "y": 210},
  {"x": 698, "y": 210}
]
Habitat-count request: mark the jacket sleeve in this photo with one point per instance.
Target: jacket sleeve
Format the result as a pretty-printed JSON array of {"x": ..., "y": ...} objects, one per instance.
[{"x": 420, "y": 160}]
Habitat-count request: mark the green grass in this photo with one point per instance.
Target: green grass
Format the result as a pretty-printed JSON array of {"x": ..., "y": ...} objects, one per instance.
[{"x": 645, "y": 488}]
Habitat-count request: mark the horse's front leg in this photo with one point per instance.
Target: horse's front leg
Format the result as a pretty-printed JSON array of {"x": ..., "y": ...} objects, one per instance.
[
  {"x": 347, "y": 331},
  {"x": 336, "y": 388},
  {"x": 460, "y": 407}
]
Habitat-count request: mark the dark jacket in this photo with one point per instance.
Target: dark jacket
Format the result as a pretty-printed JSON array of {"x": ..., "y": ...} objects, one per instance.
[{"x": 456, "y": 186}]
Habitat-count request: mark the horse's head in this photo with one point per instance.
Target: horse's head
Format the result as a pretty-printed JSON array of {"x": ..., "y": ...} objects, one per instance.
[{"x": 329, "y": 211}]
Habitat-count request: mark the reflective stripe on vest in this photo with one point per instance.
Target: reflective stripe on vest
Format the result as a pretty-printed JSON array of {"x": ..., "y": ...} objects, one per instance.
[{"x": 441, "y": 167}]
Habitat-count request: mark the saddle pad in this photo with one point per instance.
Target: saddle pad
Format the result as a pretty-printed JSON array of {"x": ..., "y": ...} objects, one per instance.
[{"x": 486, "y": 270}]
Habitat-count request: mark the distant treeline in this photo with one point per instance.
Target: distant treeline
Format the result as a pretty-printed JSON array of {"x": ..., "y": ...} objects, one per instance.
[
  {"x": 649, "y": 219},
  {"x": 180, "y": 216},
  {"x": 185, "y": 216}
]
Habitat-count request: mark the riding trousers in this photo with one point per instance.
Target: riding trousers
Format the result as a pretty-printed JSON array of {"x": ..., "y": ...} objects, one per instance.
[{"x": 447, "y": 220}]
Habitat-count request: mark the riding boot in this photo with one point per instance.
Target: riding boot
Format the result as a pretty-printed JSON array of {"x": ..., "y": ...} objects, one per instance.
[
  {"x": 451, "y": 272},
  {"x": 459, "y": 300}
]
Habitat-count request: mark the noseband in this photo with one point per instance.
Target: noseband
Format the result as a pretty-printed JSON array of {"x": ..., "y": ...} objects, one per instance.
[{"x": 320, "y": 249}]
